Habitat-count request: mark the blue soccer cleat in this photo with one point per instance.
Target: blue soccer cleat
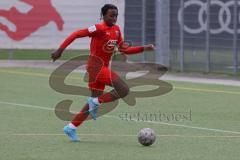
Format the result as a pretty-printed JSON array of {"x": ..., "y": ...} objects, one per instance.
[
  {"x": 93, "y": 108},
  {"x": 71, "y": 133}
]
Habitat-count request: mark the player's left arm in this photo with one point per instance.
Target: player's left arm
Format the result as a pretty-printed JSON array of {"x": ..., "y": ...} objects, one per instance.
[{"x": 127, "y": 49}]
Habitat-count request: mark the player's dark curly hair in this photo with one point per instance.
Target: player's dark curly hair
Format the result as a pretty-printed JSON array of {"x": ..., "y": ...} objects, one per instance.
[{"x": 106, "y": 7}]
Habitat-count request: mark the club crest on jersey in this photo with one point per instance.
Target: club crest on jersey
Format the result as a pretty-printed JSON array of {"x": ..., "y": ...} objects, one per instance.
[{"x": 117, "y": 33}]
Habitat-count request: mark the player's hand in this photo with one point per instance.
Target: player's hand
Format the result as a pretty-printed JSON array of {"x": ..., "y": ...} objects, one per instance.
[
  {"x": 56, "y": 54},
  {"x": 149, "y": 47}
]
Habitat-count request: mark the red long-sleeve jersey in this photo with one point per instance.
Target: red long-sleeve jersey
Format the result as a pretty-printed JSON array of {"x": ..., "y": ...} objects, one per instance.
[{"x": 104, "y": 39}]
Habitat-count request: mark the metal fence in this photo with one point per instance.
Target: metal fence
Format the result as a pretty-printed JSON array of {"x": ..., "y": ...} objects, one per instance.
[
  {"x": 140, "y": 26},
  {"x": 203, "y": 35}
]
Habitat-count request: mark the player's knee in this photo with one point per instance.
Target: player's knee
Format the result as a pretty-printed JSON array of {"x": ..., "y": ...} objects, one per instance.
[
  {"x": 124, "y": 92},
  {"x": 121, "y": 87}
]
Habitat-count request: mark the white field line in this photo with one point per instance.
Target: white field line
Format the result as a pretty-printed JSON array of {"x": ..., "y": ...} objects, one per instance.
[
  {"x": 115, "y": 117},
  {"x": 130, "y": 135}
]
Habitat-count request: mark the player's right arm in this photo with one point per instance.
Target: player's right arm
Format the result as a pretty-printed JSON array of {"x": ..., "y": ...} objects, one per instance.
[{"x": 91, "y": 31}]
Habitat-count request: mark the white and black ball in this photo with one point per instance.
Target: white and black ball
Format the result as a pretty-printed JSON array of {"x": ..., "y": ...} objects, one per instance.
[{"x": 146, "y": 136}]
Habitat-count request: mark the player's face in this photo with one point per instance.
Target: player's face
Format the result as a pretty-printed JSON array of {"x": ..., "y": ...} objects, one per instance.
[{"x": 111, "y": 17}]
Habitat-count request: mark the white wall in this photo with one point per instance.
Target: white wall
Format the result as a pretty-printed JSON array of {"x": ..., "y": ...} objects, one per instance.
[{"x": 76, "y": 14}]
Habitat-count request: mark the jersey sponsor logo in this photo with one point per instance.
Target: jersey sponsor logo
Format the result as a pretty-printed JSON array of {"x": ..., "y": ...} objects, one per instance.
[
  {"x": 92, "y": 29},
  {"x": 112, "y": 43},
  {"x": 29, "y": 22},
  {"x": 110, "y": 46}
]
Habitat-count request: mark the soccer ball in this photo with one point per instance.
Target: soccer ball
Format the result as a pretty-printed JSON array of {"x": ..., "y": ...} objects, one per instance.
[{"x": 146, "y": 136}]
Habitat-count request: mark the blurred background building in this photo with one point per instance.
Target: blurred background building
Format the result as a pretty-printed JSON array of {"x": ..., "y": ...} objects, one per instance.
[{"x": 190, "y": 35}]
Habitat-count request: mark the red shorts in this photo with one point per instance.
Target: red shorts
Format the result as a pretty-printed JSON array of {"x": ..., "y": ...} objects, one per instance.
[{"x": 99, "y": 79}]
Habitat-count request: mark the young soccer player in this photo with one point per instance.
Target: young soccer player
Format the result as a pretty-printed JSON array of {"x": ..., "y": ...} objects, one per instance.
[{"x": 104, "y": 37}]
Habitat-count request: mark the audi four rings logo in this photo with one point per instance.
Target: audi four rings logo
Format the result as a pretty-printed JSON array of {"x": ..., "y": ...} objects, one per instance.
[{"x": 224, "y": 16}]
